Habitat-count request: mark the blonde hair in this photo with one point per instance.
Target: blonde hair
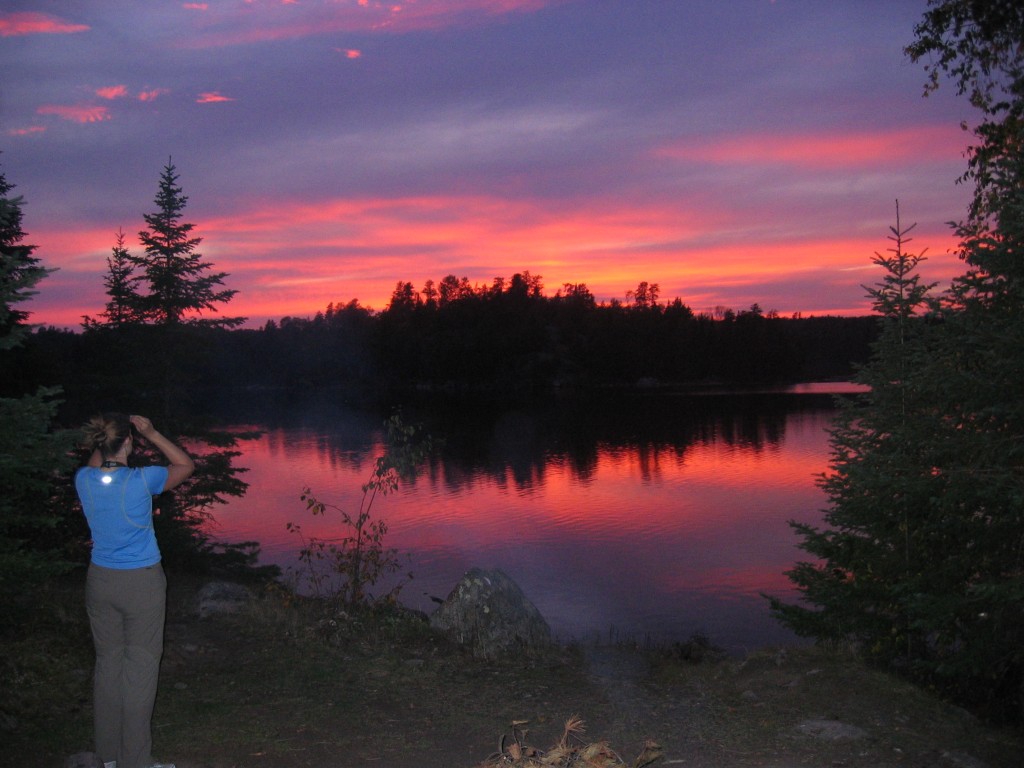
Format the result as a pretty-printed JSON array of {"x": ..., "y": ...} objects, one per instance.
[{"x": 106, "y": 433}]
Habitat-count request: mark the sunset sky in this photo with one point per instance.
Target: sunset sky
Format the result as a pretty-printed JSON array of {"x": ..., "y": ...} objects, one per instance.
[{"x": 731, "y": 151}]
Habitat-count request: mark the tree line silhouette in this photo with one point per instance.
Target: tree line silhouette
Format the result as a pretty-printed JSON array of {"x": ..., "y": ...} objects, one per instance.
[
  {"x": 510, "y": 337},
  {"x": 504, "y": 339}
]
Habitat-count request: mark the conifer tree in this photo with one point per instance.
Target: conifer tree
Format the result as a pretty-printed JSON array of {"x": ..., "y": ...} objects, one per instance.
[
  {"x": 923, "y": 560},
  {"x": 123, "y": 302},
  {"x": 178, "y": 286},
  {"x": 181, "y": 285},
  {"x": 878, "y": 485},
  {"x": 19, "y": 269},
  {"x": 157, "y": 343},
  {"x": 32, "y": 452}
]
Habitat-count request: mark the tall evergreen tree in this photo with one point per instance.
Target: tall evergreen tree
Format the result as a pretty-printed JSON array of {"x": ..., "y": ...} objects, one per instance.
[
  {"x": 157, "y": 343},
  {"x": 924, "y": 558},
  {"x": 878, "y": 486},
  {"x": 19, "y": 269},
  {"x": 33, "y": 454},
  {"x": 123, "y": 303},
  {"x": 181, "y": 285}
]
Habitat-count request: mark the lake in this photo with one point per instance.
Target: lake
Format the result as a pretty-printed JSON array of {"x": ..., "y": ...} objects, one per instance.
[{"x": 648, "y": 517}]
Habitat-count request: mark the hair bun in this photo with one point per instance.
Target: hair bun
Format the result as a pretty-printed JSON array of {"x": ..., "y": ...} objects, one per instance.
[{"x": 106, "y": 433}]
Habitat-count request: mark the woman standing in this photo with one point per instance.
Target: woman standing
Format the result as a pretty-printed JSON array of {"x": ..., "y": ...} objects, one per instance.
[{"x": 126, "y": 591}]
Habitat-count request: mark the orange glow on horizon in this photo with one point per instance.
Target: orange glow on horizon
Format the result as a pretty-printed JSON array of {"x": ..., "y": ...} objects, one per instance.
[{"x": 360, "y": 248}]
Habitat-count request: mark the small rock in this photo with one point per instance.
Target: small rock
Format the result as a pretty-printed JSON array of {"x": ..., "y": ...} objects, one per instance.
[
  {"x": 222, "y": 597},
  {"x": 830, "y": 730},
  {"x": 83, "y": 760},
  {"x": 961, "y": 760}
]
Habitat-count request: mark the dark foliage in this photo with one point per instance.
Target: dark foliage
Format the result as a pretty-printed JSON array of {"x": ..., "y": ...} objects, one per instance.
[
  {"x": 923, "y": 560},
  {"x": 148, "y": 352},
  {"x": 482, "y": 344},
  {"x": 20, "y": 270},
  {"x": 34, "y": 544}
]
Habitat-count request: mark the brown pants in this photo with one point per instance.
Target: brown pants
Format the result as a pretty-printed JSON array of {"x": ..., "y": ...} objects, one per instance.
[{"x": 126, "y": 612}]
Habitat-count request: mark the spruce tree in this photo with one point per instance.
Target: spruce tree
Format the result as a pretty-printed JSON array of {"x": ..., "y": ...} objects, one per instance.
[
  {"x": 20, "y": 270},
  {"x": 867, "y": 559},
  {"x": 177, "y": 288},
  {"x": 33, "y": 453},
  {"x": 922, "y": 562},
  {"x": 156, "y": 342},
  {"x": 123, "y": 303},
  {"x": 181, "y": 286}
]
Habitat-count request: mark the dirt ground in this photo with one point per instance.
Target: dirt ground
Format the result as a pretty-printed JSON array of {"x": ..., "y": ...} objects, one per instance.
[{"x": 274, "y": 687}]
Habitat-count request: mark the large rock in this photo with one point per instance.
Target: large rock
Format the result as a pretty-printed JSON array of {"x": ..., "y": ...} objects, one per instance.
[
  {"x": 488, "y": 613},
  {"x": 218, "y": 597}
]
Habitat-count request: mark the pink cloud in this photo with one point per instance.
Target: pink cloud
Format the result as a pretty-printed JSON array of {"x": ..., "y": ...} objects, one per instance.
[
  {"x": 824, "y": 150},
  {"x": 195, "y": 6},
  {"x": 350, "y": 53},
  {"x": 212, "y": 97},
  {"x": 28, "y": 23},
  {"x": 289, "y": 20},
  {"x": 26, "y": 131},
  {"x": 112, "y": 92},
  {"x": 152, "y": 94},
  {"x": 84, "y": 113}
]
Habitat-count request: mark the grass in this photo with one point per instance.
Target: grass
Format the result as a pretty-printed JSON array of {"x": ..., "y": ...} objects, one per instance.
[{"x": 288, "y": 683}]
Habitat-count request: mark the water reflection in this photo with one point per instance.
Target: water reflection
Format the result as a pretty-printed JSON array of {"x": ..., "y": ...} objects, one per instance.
[{"x": 647, "y": 516}]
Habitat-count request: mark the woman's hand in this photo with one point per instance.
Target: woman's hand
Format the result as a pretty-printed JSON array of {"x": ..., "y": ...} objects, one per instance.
[
  {"x": 142, "y": 425},
  {"x": 180, "y": 464}
]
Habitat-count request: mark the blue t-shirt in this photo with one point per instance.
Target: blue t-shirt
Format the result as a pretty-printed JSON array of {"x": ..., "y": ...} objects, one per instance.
[{"x": 118, "y": 504}]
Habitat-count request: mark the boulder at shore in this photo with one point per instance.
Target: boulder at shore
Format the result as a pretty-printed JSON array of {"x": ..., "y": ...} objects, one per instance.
[{"x": 488, "y": 613}]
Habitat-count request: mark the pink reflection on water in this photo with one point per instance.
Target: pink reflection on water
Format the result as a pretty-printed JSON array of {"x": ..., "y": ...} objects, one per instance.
[{"x": 658, "y": 541}]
